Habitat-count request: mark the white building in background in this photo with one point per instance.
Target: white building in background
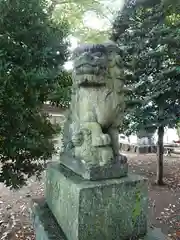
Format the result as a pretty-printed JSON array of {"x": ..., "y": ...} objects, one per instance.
[
  {"x": 133, "y": 139},
  {"x": 170, "y": 134}
]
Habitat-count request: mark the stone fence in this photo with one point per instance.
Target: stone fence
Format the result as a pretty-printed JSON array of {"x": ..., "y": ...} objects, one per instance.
[{"x": 141, "y": 149}]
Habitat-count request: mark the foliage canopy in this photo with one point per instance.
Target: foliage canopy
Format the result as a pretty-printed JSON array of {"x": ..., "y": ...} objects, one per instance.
[
  {"x": 149, "y": 38},
  {"x": 33, "y": 49}
]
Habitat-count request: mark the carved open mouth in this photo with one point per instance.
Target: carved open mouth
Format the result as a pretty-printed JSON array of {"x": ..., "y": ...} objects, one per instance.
[
  {"x": 91, "y": 84},
  {"x": 86, "y": 65},
  {"x": 90, "y": 69}
]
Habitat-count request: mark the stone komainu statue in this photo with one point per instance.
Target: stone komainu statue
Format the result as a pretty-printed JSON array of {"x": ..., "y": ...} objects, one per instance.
[{"x": 97, "y": 105}]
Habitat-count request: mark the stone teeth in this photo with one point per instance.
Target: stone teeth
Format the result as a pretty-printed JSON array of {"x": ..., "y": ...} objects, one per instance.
[{"x": 96, "y": 70}]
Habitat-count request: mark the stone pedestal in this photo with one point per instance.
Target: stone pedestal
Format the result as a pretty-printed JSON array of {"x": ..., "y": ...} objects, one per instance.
[
  {"x": 89, "y": 195},
  {"x": 145, "y": 149},
  {"x": 47, "y": 228},
  {"x": 79, "y": 209},
  {"x": 115, "y": 169},
  {"x": 104, "y": 210}
]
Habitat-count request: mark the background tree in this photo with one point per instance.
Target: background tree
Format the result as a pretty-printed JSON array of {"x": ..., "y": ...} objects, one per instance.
[
  {"x": 33, "y": 49},
  {"x": 80, "y": 14},
  {"x": 149, "y": 37},
  {"x": 178, "y": 129},
  {"x": 61, "y": 95}
]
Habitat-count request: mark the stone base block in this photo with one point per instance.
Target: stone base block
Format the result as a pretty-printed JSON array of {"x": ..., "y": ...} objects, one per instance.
[
  {"x": 147, "y": 149},
  {"x": 104, "y": 210},
  {"x": 117, "y": 168},
  {"x": 47, "y": 228},
  {"x": 44, "y": 224},
  {"x": 143, "y": 149}
]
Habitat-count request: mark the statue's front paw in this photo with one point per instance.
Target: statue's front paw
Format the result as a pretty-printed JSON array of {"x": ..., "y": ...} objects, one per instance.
[
  {"x": 102, "y": 140},
  {"x": 106, "y": 139},
  {"x": 77, "y": 139}
]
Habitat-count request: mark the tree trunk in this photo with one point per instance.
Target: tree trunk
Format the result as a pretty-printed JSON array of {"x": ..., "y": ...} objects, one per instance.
[
  {"x": 178, "y": 129},
  {"x": 160, "y": 151}
]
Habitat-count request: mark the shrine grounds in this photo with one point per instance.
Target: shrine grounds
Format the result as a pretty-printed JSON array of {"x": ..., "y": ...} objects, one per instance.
[{"x": 164, "y": 202}]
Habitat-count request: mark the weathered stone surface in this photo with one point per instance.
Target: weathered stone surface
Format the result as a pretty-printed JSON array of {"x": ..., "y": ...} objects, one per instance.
[
  {"x": 104, "y": 210},
  {"x": 46, "y": 227},
  {"x": 141, "y": 149},
  {"x": 44, "y": 223},
  {"x": 155, "y": 234},
  {"x": 97, "y": 105},
  {"x": 114, "y": 169}
]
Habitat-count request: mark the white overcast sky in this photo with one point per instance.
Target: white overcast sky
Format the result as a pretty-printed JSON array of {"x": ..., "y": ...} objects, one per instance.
[{"x": 92, "y": 21}]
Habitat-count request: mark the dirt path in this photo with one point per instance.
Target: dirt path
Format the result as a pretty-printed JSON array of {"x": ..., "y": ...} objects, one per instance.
[
  {"x": 14, "y": 211},
  {"x": 164, "y": 202}
]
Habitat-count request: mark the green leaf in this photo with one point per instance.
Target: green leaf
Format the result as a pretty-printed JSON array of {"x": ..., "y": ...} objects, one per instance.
[{"x": 29, "y": 70}]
